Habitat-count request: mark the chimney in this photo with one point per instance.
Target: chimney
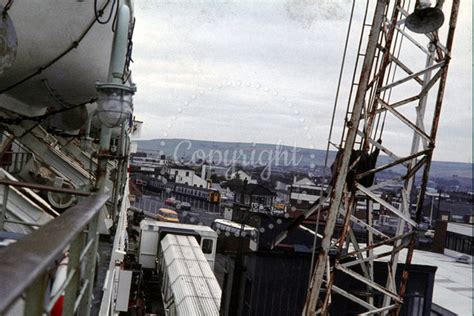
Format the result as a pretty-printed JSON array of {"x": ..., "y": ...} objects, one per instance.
[
  {"x": 439, "y": 239},
  {"x": 203, "y": 172}
]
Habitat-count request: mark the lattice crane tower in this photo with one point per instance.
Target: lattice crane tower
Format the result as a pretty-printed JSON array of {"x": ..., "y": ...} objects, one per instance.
[{"x": 401, "y": 82}]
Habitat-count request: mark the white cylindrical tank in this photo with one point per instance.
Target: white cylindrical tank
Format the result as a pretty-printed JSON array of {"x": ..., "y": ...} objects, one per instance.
[{"x": 45, "y": 30}]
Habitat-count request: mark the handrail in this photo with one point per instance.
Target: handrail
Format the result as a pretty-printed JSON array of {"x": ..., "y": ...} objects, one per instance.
[{"x": 24, "y": 261}]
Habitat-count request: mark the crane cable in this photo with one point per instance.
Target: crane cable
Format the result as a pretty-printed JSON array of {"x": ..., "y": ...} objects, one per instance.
[
  {"x": 7, "y": 7},
  {"x": 398, "y": 42},
  {"x": 330, "y": 135}
]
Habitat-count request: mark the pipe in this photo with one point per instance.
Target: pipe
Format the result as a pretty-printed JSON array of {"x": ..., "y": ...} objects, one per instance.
[
  {"x": 119, "y": 46},
  {"x": 116, "y": 68},
  {"x": 101, "y": 173}
]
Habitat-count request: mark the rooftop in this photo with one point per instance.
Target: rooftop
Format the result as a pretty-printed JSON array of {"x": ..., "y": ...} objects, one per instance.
[
  {"x": 453, "y": 287},
  {"x": 254, "y": 189}
]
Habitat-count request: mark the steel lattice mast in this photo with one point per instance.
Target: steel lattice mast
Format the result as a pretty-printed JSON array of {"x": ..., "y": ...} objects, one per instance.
[{"x": 419, "y": 92}]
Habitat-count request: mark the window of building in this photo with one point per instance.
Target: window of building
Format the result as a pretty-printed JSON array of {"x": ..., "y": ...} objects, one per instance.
[
  {"x": 207, "y": 245},
  {"x": 176, "y": 172},
  {"x": 187, "y": 173}
]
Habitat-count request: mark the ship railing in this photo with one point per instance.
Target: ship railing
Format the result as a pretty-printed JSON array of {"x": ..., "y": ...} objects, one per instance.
[
  {"x": 28, "y": 267},
  {"x": 6, "y": 183},
  {"x": 14, "y": 161}
]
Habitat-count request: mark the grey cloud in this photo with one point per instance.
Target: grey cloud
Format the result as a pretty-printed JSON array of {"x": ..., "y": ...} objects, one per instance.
[{"x": 292, "y": 48}]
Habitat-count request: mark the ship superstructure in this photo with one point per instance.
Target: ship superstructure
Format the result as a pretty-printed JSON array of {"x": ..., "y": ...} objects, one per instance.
[
  {"x": 65, "y": 117},
  {"x": 71, "y": 243}
]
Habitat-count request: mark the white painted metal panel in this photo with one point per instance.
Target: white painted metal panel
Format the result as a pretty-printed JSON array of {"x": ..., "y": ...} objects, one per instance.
[
  {"x": 148, "y": 249},
  {"x": 192, "y": 282},
  {"x": 204, "y": 231},
  {"x": 123, "y": 292},
  {"x": 45, "y": 29}
]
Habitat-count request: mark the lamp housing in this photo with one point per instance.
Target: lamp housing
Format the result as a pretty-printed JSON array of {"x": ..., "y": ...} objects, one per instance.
[{"x": 114, "y": 103}]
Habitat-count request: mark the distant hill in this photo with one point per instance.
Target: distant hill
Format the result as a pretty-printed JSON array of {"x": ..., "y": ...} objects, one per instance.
[
  {"x": 259, "y": 154},
  {"x": 255, "y": 154}
]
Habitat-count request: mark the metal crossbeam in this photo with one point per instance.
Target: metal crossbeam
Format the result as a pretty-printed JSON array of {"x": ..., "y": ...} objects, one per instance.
[
  {"x": 373, "y": 257},
  {"x": 361, "y": 223},
  {"x": 379, "y": 146},
  {"x": 387, "y": 205},
  {"x": 378, "y": 310},
  {"x": 353, "y": 298},
  {"x": 406, "y": 121},
  {"x": 370, "y": 283},
  {"x": 399, "y": 103},
  {"x": 412, "y": 76},
  {"x": 392, "y": 164},
  {"x": 336, "y": 195}
]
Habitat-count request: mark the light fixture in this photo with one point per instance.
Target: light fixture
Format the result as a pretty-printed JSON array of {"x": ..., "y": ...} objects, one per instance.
[
  {"x": 425, "y": 19},
  {"x": 114, "y": 103}
]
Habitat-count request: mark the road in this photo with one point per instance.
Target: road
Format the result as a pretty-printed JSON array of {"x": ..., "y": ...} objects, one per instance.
[{"x": 152, "y": 203}]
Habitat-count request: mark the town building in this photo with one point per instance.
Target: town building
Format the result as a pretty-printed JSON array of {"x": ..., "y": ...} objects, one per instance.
[
  {"x": 304, "y": 193},
  {"x": 244, "y": 176},
  {"x": 454, "y": 239},
  {"x": 257, "y": 196},
  {"x": 186, "y": 175}
]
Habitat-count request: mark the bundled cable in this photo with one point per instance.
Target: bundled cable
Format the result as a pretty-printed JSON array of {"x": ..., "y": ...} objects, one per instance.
[{"x": 100, "y": 12}]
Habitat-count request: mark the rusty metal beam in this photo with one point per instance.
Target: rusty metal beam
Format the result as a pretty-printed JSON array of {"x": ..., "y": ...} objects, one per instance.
[
  {"x": 361, "y": 223},
  {"x": 411, "y": 39},
  {"x": 353, "y": 298},
  {"x": 430, "y": 83},
  {"x": 382, "y": 243},
  {"x": 413, "y": 76},
  {"x": 386, "y": 205},
  {"x": 372, "y": 284},
  {"x": 391, "y": 164},
  {"x": 405, "y": 68},
  {"x": 381, "y": 309},
  {"x": 407, "y": 122},
  {"x": 336, "y": 195},
  {"x": 379, "y": 146},
  {"x": 371, "y": 104},
  {"x": 400, "y": 103},
  {"x": 433, "y": 133},
  {"x": 42, "y": 187},
  {"x": 373, "y": 257}
]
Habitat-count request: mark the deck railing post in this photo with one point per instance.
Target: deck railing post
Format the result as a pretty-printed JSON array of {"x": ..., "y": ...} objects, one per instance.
[
  {"x": 73, "y": 266},
  {"x": 90, "y": 262},
  {"x": 3, "y": 211},
  {"x": 35, "y": 295},
  {"x": 40, "y": 252}
]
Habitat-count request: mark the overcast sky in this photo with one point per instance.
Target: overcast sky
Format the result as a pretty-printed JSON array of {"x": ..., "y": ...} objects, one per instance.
[{"x": 267, "y": 72}]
